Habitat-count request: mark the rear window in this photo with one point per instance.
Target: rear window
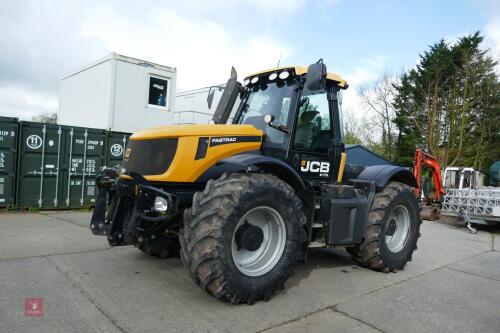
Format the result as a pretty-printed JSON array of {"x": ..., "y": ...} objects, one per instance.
[{"x": 150, "y": 157}]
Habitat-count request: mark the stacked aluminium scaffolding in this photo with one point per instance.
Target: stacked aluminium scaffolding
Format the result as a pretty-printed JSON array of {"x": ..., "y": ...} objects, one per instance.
[{"x": 478, "y": 206}]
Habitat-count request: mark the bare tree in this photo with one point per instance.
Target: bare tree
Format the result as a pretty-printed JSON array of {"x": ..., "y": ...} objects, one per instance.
[
  {"x": 352, "y": 129},
  {"x": 360, "y": 130},
  {"x": 378, "y": 98},
  {"x": 46, "y": 117}
]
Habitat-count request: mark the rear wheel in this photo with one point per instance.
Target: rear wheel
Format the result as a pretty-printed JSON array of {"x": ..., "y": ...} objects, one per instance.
[
  {"x": 243, "y": 236},
  {"x": 392, "y": 231}
]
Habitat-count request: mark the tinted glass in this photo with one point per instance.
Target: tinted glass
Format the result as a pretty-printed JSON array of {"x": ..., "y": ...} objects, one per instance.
[
  {"x": 313, "y": 130},
  {"x": 268, "y": 99},
  {"x": 149, "y": 157},
  {"x": 157, "y": 91}
]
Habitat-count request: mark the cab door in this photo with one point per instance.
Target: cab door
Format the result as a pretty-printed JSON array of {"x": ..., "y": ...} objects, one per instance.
[{"x": 310, "y": 152}]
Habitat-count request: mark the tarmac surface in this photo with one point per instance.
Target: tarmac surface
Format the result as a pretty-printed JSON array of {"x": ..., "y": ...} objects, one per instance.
[{"x": 452, "y": 285}]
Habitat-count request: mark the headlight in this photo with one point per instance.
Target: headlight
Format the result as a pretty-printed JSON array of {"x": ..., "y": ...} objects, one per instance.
[
  {"x": 284, "y": 75},
  {"x": 161, "y": 205}
]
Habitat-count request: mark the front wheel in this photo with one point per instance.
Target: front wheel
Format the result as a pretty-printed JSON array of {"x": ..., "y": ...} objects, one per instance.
[
  {"x": 243, "y": 236},
  {"x": 393, "y": 228}
]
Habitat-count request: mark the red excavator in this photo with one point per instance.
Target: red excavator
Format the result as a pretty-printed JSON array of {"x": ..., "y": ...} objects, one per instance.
[{"x": 429, "y": 209}]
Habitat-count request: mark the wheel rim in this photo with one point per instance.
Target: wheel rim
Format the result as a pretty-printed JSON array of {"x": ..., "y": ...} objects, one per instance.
[
  {"x": 397, "y": 229},
  {"x": 267, "y": 255}
]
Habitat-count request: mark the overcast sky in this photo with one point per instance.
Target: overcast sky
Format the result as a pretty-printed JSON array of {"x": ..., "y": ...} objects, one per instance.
[{"x": 41, "y": 41}]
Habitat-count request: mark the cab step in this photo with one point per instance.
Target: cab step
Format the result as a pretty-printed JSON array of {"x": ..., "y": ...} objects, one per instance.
[{"x": 317, "y": 244}]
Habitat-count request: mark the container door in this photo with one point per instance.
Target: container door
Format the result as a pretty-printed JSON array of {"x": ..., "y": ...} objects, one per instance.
[
  {"x": 116, "y": 145},
  {"x": 8, "y": 145},
  {"x": 85, "y": 149},
  {"x": 40, "y": 157}
]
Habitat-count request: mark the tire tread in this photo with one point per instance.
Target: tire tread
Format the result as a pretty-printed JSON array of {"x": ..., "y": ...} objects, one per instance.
[{"x": 202, "y": 237}]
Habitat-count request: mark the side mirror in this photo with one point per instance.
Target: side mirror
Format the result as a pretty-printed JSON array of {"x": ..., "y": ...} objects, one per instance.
[
  {"x": 316, "y": 76},
  {"x": 211, "y": 94},
  {"x": 210, "y": 98}
]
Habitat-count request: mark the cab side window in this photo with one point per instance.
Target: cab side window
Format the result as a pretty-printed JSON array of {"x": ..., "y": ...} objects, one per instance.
[{"x": 313, "y": 130}]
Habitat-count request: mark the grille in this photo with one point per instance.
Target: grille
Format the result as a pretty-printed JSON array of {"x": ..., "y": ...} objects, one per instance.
[{"x": 150, "y": 157}]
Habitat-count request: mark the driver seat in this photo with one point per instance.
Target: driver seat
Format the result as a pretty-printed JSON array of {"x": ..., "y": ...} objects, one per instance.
[{"x": 306, "y": 130}]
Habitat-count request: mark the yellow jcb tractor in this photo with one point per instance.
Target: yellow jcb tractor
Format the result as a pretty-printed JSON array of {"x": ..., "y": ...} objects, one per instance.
[{"x": 242, "y": 202}]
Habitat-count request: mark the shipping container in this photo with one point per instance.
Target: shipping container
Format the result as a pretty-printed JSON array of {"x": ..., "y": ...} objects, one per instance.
[
  {"x": 191, "y": 107},
  {"x": 57, "y": 165},
  {"x": 116, "y": 142},
  {"x": 118, "y": 93},
  {"x": 8, "y": 150},
  {"x": 192, "y": 118}
]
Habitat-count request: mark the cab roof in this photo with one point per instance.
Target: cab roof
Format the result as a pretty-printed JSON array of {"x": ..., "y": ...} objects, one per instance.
[{"x": 301, "y": 70}]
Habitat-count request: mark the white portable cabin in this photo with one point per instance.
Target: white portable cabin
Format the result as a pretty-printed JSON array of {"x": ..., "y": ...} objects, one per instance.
[
  {"x": 463, "y": 178},
  {"x": 118, "y": 93},
  {"x": 191, "y": 107}
]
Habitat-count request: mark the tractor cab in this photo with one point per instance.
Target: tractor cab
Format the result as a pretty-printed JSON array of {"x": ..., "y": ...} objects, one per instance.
[{"x": 299, "y": 110}]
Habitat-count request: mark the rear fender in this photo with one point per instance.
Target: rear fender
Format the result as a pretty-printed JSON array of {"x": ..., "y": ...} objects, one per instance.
[{"x": 383, "y": 174}]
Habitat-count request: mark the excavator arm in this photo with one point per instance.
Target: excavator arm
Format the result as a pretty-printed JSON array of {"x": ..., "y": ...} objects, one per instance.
[{"x": 432, "y": 163}]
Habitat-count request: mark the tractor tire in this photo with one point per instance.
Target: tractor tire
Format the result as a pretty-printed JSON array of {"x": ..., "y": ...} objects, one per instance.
[
  {"x": 392, "y": 230},
  {"x": 161, "y": 246},
  {"x": 243, "y": 236}
]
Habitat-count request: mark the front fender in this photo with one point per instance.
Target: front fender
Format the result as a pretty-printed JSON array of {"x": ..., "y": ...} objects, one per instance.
[
  {"x": 253, "y": 162},
  {"x": 383, "y": 174}
]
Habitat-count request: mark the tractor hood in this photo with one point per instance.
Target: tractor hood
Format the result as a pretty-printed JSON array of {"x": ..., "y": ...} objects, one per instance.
[
  {"x": 183, "y": 153},
  {"x": 177, "y": 131}
]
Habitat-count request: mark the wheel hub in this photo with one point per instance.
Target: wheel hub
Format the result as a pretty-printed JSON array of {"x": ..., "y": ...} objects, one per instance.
[
  {"x": 391, "y": 228},
  {"x": 397, "y": 229},
  {"x": 249, "y": 237},
  {"x": 258, "y": 241}
]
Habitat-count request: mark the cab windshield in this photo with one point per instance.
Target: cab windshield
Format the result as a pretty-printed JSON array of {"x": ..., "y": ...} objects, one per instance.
[{"x": 267, "y": 99}]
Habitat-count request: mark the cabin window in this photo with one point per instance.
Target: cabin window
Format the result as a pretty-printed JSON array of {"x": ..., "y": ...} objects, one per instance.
[{"x": 158, "y": 92}]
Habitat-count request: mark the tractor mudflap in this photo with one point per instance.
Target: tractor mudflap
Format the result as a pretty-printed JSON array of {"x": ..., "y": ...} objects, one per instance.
[{"x": 125, "y": 212}]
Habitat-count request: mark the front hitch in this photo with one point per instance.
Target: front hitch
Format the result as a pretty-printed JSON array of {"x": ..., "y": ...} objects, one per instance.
[
  {"x": 129, "y": 208},
  {"x": 106, "y": 202}
]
